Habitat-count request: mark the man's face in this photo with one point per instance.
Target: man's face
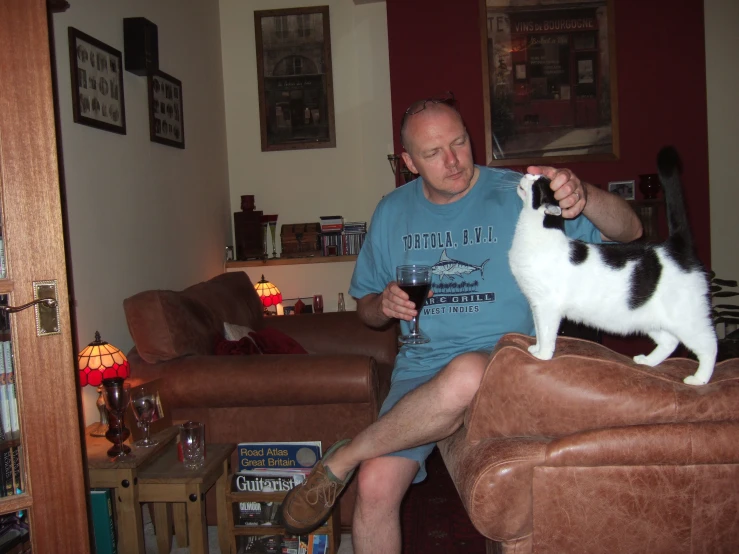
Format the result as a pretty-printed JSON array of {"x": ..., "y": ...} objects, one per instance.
[{"x": 438, "y": 148}]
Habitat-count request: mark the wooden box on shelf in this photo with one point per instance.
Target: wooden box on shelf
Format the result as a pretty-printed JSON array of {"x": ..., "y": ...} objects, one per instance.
[
  {"x": 249, "y": 235},
  {"x": 263, "y": 522},
  {"x": 300, "y": 240}
]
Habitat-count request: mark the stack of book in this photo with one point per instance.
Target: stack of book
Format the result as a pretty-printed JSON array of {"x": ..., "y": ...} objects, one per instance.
[
  {"x": 353, "y": 237},
  {"x": 339, "y": 238},
  {"x": 10, "y": 472},
  {"x": 273, "y": 467}
]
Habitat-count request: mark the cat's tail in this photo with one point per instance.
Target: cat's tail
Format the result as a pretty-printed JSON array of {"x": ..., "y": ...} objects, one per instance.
[{"x": 670, "y": 168}]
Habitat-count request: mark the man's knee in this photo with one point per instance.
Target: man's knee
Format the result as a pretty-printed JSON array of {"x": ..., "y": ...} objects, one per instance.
[
  {"x": 384, "y": 481},
  {"x": 465, "y": 373}
]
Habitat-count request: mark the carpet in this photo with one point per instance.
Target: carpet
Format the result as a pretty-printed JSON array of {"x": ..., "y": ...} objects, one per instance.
[{"x": 433, "y": 519}]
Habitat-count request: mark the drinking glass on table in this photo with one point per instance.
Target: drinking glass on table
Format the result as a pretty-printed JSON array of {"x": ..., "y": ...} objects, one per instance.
[
  {"x": 145, "y": 405},
  {"x": 415, "y": 281}
]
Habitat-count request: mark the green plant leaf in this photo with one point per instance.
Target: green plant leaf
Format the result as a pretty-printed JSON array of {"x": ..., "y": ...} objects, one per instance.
[
  {"x": 725, "y": 294},
  {"x": 724, "y": 282},
  {"x": 729, "y": 307}
]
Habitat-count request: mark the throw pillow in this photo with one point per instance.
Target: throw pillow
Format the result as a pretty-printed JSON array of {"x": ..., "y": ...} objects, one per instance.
[
  {"x": 231, "y": 331},
  {"x": 241, "y": 347},
  {"x": 272, "y": 341},
  {"x": 241, "y": 340}
]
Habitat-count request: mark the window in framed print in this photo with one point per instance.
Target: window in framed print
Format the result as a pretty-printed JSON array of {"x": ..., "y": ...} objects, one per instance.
[
  {"x": 97, "y": 83},
  {"x": 166, "y": 112},
  {"x": 550, "y": 81},
  {"x": 296, "y": 98}
]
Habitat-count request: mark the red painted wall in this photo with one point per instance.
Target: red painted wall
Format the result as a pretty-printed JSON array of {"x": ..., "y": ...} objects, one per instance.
[{"x": 435, "y": 46}]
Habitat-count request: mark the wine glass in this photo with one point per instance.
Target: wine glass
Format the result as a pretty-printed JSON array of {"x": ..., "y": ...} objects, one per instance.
[
  {"x": 117, "y": 396},
  {"x": 145, "y": 405},
  {"x": 415, "y": 281}
]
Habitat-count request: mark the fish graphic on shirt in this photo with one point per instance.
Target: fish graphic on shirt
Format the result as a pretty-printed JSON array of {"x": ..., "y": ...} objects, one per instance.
[{"x": 446, "y": 267}]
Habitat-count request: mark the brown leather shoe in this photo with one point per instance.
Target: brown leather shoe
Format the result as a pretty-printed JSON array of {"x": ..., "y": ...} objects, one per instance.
[{"x": 309, "y": 504}]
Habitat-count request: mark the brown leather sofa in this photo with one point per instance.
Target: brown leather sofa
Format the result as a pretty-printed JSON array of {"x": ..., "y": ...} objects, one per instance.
[
  {"x": 590, "y": 453},
  {"x": 330, "y": 394}
]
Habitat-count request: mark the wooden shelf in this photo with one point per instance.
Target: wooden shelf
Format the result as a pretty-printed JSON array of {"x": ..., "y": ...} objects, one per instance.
[
  {"x": 331, "y": 527},
  {"x": 291, "y": 261}
]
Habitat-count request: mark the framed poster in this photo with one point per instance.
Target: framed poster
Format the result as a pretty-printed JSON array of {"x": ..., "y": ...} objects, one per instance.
[
  {"x": 294, "y": 77},
  {"x": 550, "y": 81},
  {"x": 166, "y": 114},
  {"x": 97, "y": 83}
]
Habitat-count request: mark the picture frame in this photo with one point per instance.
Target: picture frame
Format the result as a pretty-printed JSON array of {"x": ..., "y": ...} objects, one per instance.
[
  {"x": 295, "y": 78},
  {"x": 624, "y": 189},
  {"x": 166, "y": 109},
  {"x": 550, "y": 82},
  {"x": 96, "y": 71}
]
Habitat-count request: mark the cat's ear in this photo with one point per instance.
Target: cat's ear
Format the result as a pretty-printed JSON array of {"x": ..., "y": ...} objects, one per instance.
[{"x": 552, "y": 209}]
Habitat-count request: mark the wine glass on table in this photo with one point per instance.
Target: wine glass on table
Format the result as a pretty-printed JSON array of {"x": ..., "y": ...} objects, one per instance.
[
  {"x": 145, "y": 405},
  {"x": 117, "y": 396},
  {"x": 415, "y": 281}
]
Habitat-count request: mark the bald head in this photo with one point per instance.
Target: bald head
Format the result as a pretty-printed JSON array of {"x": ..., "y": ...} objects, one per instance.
[{"x": 416, "y": 124}]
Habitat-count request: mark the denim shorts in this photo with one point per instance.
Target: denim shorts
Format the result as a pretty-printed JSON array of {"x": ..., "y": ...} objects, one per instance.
[{"x": 419, "y": 454}]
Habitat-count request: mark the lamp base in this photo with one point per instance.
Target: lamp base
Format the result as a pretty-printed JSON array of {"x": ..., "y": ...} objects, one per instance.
[{"x": 98, "y": 429}]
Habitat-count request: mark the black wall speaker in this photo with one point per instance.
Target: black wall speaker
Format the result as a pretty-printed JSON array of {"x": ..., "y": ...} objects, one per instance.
[{"x": 140, "y": 45}]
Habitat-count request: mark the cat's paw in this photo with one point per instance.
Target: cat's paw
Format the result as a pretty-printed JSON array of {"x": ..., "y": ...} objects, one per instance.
[
  {"x": 538, "y": 353},
  {"x": 693, "y": 380},
  {"x": 641, "y": 359}
]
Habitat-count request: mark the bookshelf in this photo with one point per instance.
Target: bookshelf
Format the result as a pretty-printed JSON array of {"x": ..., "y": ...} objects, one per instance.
[
  {"x": 290, "y": 261},
  {"x": 332, "y": 527}
]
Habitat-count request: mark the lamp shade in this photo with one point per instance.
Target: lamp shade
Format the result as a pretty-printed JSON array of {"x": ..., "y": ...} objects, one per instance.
[
  {"x": 269, "y": 294},
  {"x": 100, "y": 360}
]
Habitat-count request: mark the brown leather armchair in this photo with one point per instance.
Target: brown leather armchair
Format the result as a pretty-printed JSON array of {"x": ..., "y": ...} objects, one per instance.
[
  {"x": 332, "y": 393},
  {"x": 591, "y": 453}
]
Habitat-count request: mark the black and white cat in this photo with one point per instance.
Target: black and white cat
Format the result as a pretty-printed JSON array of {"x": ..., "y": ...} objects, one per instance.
[{"x": 657, "y": 289}]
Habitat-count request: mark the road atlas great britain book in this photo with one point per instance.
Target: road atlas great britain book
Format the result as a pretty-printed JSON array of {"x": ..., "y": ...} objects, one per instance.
[{"x": 278, "y": 455}]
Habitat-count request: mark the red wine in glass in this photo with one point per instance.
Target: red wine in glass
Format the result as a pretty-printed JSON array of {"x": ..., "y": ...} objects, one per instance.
[
  {"x": 414, "y": 280},
  {"x": 417, "y": 293}
]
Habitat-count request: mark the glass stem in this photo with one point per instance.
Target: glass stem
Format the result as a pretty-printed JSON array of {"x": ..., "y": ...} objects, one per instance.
[{"x": 414, "y": 326}]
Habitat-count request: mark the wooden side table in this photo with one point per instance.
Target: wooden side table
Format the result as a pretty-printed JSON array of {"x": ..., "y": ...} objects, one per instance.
[
  {"x": 166, "y": 480},
  {"x": 332, "y": 527},
  {"x": 122, "y": 475}
]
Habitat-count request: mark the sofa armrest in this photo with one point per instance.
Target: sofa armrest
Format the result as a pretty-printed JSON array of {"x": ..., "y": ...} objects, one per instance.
[
  {"x": 270, "y": 380},
  {"x": 671, "y": 444},
  {"x": 339, "y": 333}
]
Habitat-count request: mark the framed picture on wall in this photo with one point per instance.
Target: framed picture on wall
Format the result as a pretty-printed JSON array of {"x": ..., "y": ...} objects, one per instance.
[
  {"x": 97, "y": 83},
  {"x": 294, "y": 77},
  {"x": 166, "y": 112},
  {"x": 625, "y": 189},
  {"x": 550, "y": 81}
]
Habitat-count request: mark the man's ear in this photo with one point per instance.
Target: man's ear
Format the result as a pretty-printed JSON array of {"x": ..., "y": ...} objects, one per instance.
[
  {"x": 409, "y": 162},
  {"x": 552, "y": 209}
]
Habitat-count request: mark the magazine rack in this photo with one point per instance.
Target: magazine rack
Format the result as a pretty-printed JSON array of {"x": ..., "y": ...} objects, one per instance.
[{"x": 239, "y": 528}]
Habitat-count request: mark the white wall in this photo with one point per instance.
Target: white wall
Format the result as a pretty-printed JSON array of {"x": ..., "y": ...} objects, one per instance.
[
  {"x": 722, "y": 81},
  {"x": 143, "y": 215},
  {"x": 300, "y": 186}
]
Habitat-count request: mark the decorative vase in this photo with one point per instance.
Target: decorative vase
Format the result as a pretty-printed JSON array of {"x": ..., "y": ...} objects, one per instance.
[
  {"x": 247, "y": 203},
  {"x": 649, "y": 185}
]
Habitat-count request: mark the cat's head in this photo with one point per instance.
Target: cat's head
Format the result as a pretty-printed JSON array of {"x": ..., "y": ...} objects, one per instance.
[{"x": 537, "y": 195}]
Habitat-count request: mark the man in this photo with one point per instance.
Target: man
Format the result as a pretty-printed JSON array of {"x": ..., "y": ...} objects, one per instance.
[{"x": 460, "y": 219}]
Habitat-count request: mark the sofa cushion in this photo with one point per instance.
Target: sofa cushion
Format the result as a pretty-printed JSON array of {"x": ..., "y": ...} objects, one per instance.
[
  {"x": 167, "y": 324},
  {"x": 588, "y": 386}
]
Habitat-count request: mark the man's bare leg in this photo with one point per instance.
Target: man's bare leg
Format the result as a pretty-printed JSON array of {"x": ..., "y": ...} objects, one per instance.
[
  {"x": 382, "y": 484},
  {"x": 427, "y": 414}
]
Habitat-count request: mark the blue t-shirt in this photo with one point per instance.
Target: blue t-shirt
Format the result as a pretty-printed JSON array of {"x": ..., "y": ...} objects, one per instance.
[{"x": 476, "y": 298}]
